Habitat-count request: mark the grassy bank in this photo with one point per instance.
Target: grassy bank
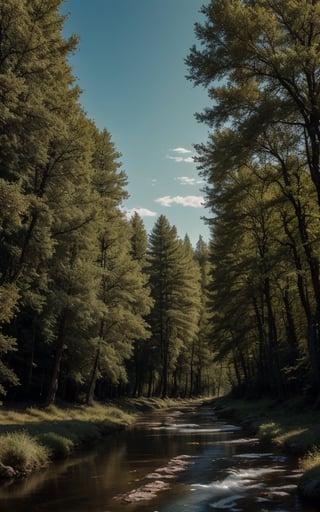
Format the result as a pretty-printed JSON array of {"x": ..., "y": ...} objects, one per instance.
[
  {"x": 291, "y": 426},
  {"x": 31, "y": 437}
]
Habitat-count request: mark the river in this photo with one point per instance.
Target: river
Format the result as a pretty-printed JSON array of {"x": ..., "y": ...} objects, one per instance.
[{"x": 182, "y": 460}]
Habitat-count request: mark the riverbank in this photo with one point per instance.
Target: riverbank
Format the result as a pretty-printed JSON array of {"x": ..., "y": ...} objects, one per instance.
[
  {"x": 33, "y": 437},
  {"x": 292, "y": 427}
]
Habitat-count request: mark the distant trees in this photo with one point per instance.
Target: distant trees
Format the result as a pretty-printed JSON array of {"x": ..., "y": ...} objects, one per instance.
[{"x": 260, "y": 63}]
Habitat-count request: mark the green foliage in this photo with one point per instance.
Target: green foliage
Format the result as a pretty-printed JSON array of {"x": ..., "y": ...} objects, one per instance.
[
  {"x": 59, "y": 447},
  {"x": 269, "y": 431},
  {"x": 9, "y": 296}
]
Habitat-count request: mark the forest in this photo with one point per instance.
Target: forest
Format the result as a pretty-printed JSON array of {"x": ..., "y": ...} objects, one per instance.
[{"x": 94, "y": 307}]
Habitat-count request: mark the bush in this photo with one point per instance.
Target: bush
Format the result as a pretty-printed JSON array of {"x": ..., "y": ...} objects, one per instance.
[
  {"x": 59, "y": 446},
  {"x": 269, "y": 431},
  {"x": 22, "y": 452}
]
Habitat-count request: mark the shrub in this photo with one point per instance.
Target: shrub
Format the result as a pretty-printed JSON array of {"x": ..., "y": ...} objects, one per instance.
[
  {"x": 59, "y": 446},
  {"x": 269, "y": 431}
]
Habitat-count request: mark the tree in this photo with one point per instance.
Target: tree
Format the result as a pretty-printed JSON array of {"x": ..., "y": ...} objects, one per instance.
[
  {"x": 260, "y": 62},
  {"x": 140, "y": 363},
  {"x": 12, "y": 207},
  {"x": 202, "y": 368},
  {"x": 174, "y": 318}
]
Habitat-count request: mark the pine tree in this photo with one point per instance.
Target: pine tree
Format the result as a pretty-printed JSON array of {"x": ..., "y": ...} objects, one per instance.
[
  {"x": 139, "y": 364},
  {"x": 174, "y": 319},
  {"x": 124, "y": 293}
]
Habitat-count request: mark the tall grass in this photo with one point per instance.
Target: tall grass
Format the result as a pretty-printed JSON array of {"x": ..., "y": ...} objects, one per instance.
[
  {"x": 311, "y": 460},
  {"x": 23, "y": 453}
]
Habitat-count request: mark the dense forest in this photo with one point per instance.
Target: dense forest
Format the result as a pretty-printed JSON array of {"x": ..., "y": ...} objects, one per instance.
[
  {"x": 93, "y": 307},
  {"x": 89, "y": 306}
]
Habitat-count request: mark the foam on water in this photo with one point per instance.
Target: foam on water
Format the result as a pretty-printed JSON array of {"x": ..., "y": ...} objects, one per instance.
[
  {"x": 253, "y": 455},
  {"x": 224, "y": 494}
]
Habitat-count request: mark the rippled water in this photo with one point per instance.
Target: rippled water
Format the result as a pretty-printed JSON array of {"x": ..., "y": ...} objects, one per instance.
[{"x": 182, "y": 460}]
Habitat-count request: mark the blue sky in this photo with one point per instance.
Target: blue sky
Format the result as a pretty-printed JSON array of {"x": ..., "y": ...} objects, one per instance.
[{"x": 130, "y": 66}]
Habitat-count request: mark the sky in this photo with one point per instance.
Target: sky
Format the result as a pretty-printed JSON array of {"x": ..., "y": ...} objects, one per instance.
[{"x": 130, "y": 67}]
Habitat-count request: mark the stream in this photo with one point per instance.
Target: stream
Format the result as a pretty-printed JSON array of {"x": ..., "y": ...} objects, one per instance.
[{"x": 173, "y": 461}]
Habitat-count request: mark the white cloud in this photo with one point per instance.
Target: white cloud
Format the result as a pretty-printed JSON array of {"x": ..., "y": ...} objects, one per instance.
[
  {"x": 179, "y": 155},
  {"x": 143, "y": 212},
  {"x": 191, "y": 201},
  {"x": 185, "y": 180},
  {"x": 178, "y": 159},
  {"x": 182, "y": 151}
]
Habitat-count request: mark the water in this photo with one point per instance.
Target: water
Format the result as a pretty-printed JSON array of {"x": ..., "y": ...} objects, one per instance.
[{"x": 183, "y": 460}]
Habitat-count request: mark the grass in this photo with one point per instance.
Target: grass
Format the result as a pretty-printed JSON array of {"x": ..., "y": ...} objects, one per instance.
[
  {"x": 31, "y": 437},
  {"x": 57, "y": 445},
  {"x": 310, "y": 481},
  {"x": 23, "y": 453},
  {"x": 289, "y": 425},
  {"x": 311, "y": 460}
]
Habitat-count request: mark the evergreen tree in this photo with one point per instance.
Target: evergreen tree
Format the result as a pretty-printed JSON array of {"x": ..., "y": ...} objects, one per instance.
[
  {"x": 174, "y": 318},
  {"x": 203, "y": 370},
  {"x": 124, "y": 293},
  {"x": 140, "y": 363}
]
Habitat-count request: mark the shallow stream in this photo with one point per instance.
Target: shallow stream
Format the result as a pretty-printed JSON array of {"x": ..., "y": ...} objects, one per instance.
[{"x": 175, "y": 461}]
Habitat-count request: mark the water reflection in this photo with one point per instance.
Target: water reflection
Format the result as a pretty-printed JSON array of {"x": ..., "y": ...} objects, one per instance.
[{"x": 222, "y": 470}]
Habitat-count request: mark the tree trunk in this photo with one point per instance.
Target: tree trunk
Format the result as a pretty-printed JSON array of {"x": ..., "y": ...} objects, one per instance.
[
  {"x": 273, "y": 342},
  {"x": 93, "y": 378},
  {"x": 60, "y": 343}
]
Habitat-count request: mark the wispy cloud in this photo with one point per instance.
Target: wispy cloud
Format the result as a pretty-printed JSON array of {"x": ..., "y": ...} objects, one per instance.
[
  {"x": 178, "y": 159},
  {"x": 191, "y": 201},
  {"x": 182, "y": 151},
  {"x": 185, "y": 180},
  {"x": 143, "y": 212},
  {"x": 179, "y": 155}
]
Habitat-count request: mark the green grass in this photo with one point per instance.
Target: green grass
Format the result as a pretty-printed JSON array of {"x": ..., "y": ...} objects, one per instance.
[
  {"x": 23, "y": 453},
  {"x": 31, "y": 437}
]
